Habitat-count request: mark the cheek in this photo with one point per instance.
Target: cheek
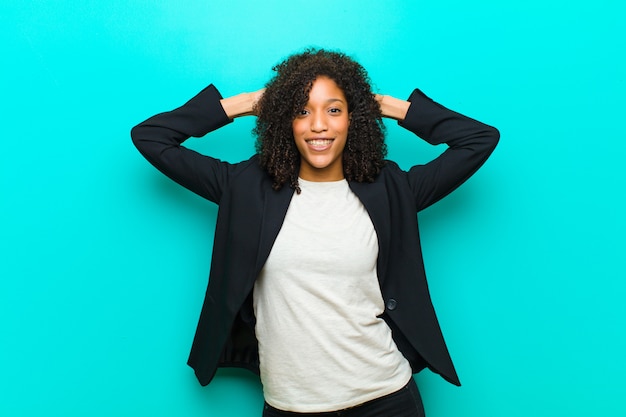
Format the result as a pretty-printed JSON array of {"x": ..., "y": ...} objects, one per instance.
[
  {"x": 343, "y": 127},
  {"x": 296, "y": 129}
]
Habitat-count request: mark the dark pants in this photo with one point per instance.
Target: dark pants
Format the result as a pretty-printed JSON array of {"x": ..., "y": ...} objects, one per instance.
[{"x": 403, "y": 403}]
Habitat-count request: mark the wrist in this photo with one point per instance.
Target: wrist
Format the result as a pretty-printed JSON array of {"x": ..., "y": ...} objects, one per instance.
[
  {"x": 238, "y": 105},
  {"x": 393, "y": 108}
]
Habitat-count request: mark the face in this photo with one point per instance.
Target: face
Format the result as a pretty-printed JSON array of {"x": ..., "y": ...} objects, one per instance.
[{"x": 320, "y": 130}]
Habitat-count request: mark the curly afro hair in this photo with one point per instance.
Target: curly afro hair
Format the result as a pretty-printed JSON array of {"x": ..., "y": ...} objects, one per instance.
[{"x": 288, "y": 92}]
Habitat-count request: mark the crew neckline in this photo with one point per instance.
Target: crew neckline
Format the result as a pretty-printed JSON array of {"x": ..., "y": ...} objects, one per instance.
[{"x": 321, "y": 184}]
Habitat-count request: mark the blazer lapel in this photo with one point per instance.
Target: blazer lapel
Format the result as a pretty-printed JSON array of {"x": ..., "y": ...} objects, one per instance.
[
  {"x": 275, "y": 205},
  {"x": 374, "y": 198}
]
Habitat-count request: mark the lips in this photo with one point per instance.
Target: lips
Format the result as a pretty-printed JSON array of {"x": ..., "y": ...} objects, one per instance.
[{"x": 319, "y": 144}]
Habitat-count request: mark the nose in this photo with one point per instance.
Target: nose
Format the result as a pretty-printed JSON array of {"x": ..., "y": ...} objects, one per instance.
[{"x": 318, "y": 122}]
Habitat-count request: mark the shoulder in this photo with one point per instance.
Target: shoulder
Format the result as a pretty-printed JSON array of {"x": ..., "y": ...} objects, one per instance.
[
  {"x": 391, "y": 170},
  {"x": 251, "y": 163},
  {"x": 390, "y": 166},
  {"x": 250, "y": 167},
  {"x": 248, "y": 172},
  {"x": 395, "y": 179}
]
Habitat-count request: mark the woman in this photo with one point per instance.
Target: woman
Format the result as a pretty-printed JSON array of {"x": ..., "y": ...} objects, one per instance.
[{"x": 317, "y": 280}]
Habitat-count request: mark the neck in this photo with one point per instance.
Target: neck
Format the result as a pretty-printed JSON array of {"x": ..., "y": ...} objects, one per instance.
[{"x": 320, "y": 175}]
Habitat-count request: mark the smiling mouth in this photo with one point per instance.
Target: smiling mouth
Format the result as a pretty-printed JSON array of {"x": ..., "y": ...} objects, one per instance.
[{"x": 319, "y": 142}]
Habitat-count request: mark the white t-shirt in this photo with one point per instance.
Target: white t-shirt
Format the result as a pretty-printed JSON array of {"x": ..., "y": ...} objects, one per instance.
[{"x": 322, "y": 346}]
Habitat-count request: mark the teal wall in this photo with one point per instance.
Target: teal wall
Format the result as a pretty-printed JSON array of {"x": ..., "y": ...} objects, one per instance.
[{"x": 104, "y": 261}]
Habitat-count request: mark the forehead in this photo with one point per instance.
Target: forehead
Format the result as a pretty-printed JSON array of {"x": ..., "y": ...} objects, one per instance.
[{"x": 324, "y": 89}]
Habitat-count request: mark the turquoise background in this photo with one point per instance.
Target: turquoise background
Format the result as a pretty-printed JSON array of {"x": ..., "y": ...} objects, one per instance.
[{"x": 104, "y": 261}]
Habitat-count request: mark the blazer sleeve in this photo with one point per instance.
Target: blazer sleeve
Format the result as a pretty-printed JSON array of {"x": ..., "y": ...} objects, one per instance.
[
  {"x": 159, "y": 140},
  {"x": 469, "y": 141}
]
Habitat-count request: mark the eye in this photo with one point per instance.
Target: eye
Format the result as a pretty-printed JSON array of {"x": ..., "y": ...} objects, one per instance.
[
  {"x": 302, "y": 113},
  {"x": 334, "y": 110}
]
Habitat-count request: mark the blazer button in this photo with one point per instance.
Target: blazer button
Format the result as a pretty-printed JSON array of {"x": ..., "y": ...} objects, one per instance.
[{"x": 391, "y": 304}]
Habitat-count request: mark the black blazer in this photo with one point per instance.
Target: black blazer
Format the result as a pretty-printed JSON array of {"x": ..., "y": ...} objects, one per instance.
[{"x": 251, "y": 214}]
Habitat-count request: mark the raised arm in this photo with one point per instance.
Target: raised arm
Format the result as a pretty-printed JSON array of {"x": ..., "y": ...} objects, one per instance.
[
  {"x": 159, "y": 140},
  {"x": 469, "y": 141}
]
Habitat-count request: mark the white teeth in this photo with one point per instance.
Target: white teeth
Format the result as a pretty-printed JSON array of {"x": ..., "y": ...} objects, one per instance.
[{"x": 319, "y": 142}]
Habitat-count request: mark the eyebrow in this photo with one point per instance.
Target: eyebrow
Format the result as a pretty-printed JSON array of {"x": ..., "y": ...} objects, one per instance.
[{"x": 331, "y": 100}]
